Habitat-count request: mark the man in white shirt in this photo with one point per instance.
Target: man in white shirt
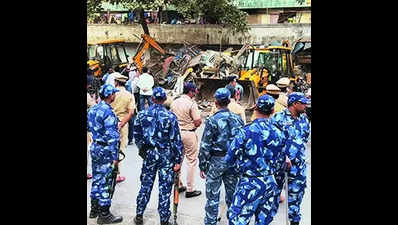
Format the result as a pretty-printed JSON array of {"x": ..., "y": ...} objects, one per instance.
[{"x": 145, "y": 84}]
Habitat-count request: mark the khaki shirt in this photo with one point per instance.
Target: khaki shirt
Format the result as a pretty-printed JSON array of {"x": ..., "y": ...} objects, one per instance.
[
  {"x": 282, "y": 99},
  {"x": 124, "y": 102},
  {"x": 233, "y": 107},
  {"x": 278, "y": 107},
  {"x": 237, "y": 109},
  {"x": 186, "y": 111}
]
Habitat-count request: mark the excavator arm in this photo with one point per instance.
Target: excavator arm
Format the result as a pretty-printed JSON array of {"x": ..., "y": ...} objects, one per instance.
[{"x": 147, "y": 41}]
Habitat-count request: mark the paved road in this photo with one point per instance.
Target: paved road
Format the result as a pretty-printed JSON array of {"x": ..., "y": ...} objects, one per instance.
[{"x": 190, "y": 210}]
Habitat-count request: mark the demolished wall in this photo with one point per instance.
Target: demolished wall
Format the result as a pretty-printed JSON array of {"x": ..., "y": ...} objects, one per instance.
[{"x": 198, "y": 34}]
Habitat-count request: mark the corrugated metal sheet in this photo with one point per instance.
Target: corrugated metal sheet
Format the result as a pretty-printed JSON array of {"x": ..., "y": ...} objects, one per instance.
[{"x": 260, "y": 4}]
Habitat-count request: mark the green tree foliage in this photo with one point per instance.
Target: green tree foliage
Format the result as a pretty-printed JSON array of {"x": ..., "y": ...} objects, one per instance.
[
  {"x": 221, "y": 12},
  {"x": 93, "y": 6}
]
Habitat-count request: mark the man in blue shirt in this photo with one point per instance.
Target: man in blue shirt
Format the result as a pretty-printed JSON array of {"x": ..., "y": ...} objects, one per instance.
[
  {"x": 218, "y": 134},
  {"x": 157, "y": 128},
  {"x": 252, "y": 155},
  {"x": 239, "y": 89},
  {"x": 103, "y": 124},
  {"x": 295, "y": 126}
]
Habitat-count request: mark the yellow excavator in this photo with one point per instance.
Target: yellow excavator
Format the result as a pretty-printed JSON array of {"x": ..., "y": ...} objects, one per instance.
[
  {"x": 257, "y": 67},
  {"x": 103, "y": 55},
  {"x": 107, "y": 54},
  {"x": 266, "y": 65}
]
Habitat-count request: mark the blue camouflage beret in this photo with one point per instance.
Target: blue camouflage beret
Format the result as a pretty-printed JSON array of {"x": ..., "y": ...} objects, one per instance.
[
  {"x": 297, "y": 97},
  {"x": 222, "y": 94},
  {"x": 159, "y": 93},
  {"x": 107, "y": 89},
  {"x": 265, "y": 103}
]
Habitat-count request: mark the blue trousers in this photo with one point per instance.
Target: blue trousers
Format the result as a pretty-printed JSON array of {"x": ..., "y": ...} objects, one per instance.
[
  {"x": 156, "y": 162},
  {"x": 218, "y": 172},
  {"x": 143, "y": 99},
  {"x": 102, "y": 171},
  {"x": 297, "y": 181},
  {"x": 280, "y": 169},
  {"x": 253, "y": 196}
]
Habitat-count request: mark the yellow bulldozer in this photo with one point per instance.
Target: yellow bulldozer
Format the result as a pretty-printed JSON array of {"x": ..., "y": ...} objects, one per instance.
[
  {"x": 103, "y": 55},
  {"x": 256, "y": 67},
  {"x": 107, "y": 54}
]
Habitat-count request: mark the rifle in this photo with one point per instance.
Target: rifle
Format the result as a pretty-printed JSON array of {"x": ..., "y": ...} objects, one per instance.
[
  {"x": 176, "y": 195},
  {"x": 113, "y": 177}
]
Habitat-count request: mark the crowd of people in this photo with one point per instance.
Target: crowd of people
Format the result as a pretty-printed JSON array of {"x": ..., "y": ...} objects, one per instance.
[{"x": 253, "y": 160}]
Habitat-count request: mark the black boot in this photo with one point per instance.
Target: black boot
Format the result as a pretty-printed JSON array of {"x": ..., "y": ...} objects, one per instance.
[
  {"x": 106, "y": 217},
  {"x": 166, "y": 223},
  {"x": 192, "y": 194},
  {"x": 138, "y": 220},
  {"x": 294, "y": 223},
  {"x": 95, "y": 209}
]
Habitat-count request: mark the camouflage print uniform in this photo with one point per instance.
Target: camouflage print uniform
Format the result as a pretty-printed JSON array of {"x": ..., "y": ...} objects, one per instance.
[
  {"x": 252, "y": 153},
  {"x": 102, "y": 123},
  {"x": 297, "y": 132},
  {"x": 219, "y": 131},
  {"x": 159, "y": 128}
]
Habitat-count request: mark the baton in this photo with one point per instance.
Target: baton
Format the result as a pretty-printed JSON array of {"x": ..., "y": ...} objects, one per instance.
[{"x": 176, "y": 195}]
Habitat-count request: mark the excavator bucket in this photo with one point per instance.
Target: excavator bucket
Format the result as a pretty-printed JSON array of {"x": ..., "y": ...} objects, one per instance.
[{"x": 208, "y": 86}]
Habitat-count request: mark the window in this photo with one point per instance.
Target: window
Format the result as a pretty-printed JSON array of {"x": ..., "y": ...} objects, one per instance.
[
  {"x": 122, "y": 53},
  {"x": 99, "y": 52}
]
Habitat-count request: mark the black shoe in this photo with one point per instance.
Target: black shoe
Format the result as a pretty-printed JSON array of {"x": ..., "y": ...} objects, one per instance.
[
  {"x": 130, "y": 143},
  {"x": 138, "y": 220},
  {"x": 95, "y": 209},
  {"x": 192, "y": 194},
  {"x": 166, "y": 223},
  {"x": 182, "y": 189},
  {"x": 106, "y": 217},
  {"x": 294, "y": 223}
]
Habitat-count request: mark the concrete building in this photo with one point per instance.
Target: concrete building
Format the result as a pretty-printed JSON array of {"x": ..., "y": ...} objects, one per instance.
[{"x": 275, "y": 11}]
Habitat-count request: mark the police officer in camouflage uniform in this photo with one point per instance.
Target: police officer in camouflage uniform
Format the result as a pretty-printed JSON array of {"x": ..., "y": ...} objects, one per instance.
[
  {"x": 158, "y": 128},
  {"x": 252, "y": 155},
  {"x": 219, "y": 131},
  {"x": 295, "y": 126},
  {"x": 102, "y": 123}
]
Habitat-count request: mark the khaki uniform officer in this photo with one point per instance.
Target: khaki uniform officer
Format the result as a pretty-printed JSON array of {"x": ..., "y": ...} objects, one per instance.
[
  {"x": 188, "y": 116},
  {"x": 123, "y": 106},
  {"x": 283, "y": 83},
  {"x": 275, "y": 92}
]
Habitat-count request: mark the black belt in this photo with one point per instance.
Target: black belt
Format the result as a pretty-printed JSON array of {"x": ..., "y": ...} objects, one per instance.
[
  {"x": 216, "y": 153},
  {"x": 101, "y": 143},
  {"x": 189, "y": 130}
]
